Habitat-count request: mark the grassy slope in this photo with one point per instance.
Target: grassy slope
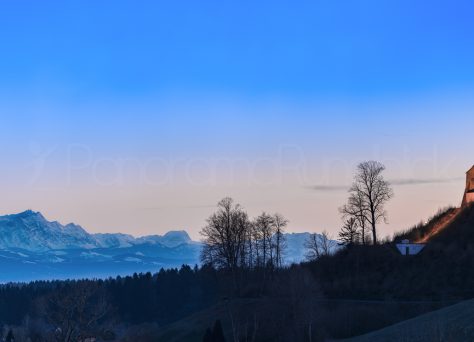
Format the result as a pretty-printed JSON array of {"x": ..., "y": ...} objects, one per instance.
[
  {"x": 340, "y": 318},
  {"x": 244, "y": 312},
  {"x": 454, "y": 323}
]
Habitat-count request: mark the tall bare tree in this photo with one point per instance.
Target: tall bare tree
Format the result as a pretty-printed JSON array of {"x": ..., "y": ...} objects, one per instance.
[
  {"x": 264, "y": 231},
  {"x": 225, "y": 236},
  {"x": 355, "y": 208},
  {"x": 369, "y": 194},
  {"x": 279, "y": 223},
  {"x": 250, "y": 248}
]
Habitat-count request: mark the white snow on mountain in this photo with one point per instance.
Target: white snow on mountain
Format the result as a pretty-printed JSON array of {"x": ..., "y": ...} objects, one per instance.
[
  {"x": 170, "y": 239},
  {"x": 295, "y": 251},
  {"x": 114, "y": 240},
  {"x": 29, "y": 230}
]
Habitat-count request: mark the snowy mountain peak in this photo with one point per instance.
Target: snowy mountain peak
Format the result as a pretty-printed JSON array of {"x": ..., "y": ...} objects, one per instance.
[
  {"x": 29, "y": 230},
  {"x": 117, "y": 240},
  {"x": 27, "y": 214},
  {"x": 171, "y": 239},
  {"x": 176, "y": 237}
]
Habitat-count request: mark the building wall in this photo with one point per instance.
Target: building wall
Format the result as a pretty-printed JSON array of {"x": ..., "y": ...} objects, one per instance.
[
  {"x": 469, "y": 196},
  {"x": 470, "y": 179}
]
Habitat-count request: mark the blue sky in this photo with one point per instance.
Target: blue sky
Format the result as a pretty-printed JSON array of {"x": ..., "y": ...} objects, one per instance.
[
  {"x": 101, "y": 101},
  {"x": 253, "y": 49}
]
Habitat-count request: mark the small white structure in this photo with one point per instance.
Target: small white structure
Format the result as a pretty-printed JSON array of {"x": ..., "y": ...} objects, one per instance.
[{"x": 407, "y": 248}]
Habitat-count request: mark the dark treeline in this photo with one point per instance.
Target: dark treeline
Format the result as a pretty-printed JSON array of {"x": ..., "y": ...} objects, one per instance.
[
  {"x": 161, "y": 297},
  {"x": 67, "y": 310},
  {"x": 50, "y": 306},
  {"x": 74, "y": 309}
]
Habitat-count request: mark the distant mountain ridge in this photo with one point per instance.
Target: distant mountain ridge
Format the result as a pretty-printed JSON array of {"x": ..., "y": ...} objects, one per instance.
[
  {"x": 30, "y": 231},
  {"x": 33, "y": 248}
]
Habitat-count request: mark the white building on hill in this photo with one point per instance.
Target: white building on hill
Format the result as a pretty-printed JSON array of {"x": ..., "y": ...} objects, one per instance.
[{"x": 407, "y": 248}]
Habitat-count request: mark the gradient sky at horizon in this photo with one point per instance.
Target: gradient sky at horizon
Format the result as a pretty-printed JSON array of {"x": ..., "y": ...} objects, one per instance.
[{"x": 140, "y": 117}]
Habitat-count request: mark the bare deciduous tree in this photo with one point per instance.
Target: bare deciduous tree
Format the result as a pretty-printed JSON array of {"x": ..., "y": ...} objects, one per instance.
[
  {"x": 279, "y": 223},
  {"x": 269, "y": 239},
  {"x": 264, "y": 231},
  {"x": 368, "y": 196},
  {"x": 355, "y": 208},
  {"x": 319, "y": 245},
  {"x": 75, "y": 312},
  {"x": 225, "y": 236}
]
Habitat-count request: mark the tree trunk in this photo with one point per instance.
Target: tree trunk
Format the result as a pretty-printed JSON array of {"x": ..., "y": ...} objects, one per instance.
[
  {"x": 363, "y": 233},
  {"x": 374, "y": 230}
]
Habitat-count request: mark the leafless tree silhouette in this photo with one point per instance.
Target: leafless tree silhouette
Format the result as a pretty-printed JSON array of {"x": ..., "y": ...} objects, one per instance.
[
  {"x": 355, "y": 208},
  {"x": 279, "y": 223},
  {"x": 318, "y": 245},
  {"x": 368, "y": 195},
  {"x": 75, "y": 312},
  {"x": 225, "y": 236}
]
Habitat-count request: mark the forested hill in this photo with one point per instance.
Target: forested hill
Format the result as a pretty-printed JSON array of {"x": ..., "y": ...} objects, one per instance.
[
  {"x": 443, "y": 270},
  {"x": 426, "y": 231},
  {"x": 448, "y": 226},
  {"x": 459, "y": 233}
]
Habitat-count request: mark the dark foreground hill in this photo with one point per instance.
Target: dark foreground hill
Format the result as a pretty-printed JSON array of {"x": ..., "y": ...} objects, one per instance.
[
  {"x": 454, "y": 323},
  {"x": 281, "y": 319}
]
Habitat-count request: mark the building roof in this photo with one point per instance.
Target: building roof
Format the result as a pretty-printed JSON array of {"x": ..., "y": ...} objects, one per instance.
[{"x": 471, "y": 169}]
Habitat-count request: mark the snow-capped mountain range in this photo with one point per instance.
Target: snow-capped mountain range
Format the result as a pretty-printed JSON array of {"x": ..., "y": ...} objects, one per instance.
[
  {"x": 30, "y": 231},
  {"x": 33, "y": 248}
]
